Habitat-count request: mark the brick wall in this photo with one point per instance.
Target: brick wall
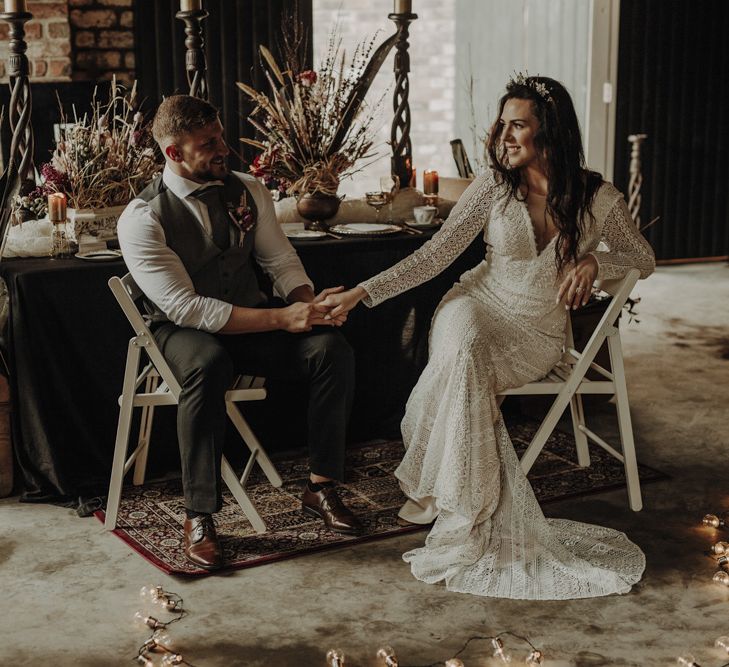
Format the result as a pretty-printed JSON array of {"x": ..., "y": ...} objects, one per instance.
[
  {"x": 48, "y": 38},
  {"x": 103, "y": 39},
  {"x": 77, "y": 39}
]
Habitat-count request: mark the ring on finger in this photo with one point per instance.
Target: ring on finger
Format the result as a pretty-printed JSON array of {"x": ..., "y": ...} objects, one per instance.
[{"x": 580, "y": 289}]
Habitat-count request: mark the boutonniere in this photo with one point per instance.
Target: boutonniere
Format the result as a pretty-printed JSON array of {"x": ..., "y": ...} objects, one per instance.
[{"x": 242, "y": 215}]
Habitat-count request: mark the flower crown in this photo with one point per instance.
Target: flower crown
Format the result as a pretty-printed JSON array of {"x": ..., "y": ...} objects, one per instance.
[{"x": 523, "y": 79}]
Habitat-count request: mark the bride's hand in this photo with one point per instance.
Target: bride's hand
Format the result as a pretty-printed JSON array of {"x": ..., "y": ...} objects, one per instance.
[
  {"x": 342, "y": 302},
  {"x": 576, "y": 288}
]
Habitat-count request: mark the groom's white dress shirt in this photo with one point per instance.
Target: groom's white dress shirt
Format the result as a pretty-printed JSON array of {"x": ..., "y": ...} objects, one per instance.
[{"x": 160, "y": 274}]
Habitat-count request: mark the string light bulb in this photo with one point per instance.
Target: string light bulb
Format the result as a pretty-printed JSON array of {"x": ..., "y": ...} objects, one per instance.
[
  {"x": 723, "y": 643},
  {"x": 387, "y": 655},
  {"x": 499, "y": 650},
  {"x": 172, "y": 659},
  {"x": 713, "y": 521},
  {"x": 151, "y": 593},
  {"x": 720, "y": 548},
  {"x": 687, "y": 661},
  {"x": 721, "y": 577},
  {"x": 454, "y": 662},
  {"x": 536, "y": 657},
  {"x": 722, "y": 561},
  {"x": 163, "y": 640},
  {"x": 143, "y": 659},
  {"x": 335, "y": 657},
  {"x": 141, "y": 620}
]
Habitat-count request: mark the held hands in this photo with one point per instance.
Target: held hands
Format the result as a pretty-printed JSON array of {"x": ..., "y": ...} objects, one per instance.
[
  {"x": 336, "y": 320},
  {"x": 302, "y": 316},
  {"x": 576, "y": 288},
  {"x": 340, "y": 303}
]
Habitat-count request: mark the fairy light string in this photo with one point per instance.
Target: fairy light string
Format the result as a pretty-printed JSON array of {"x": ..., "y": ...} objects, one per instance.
[
  {"x": 159, "y": 641},
  {"x": 720, "y": 552},
  {"x": 336, "y": 658}
]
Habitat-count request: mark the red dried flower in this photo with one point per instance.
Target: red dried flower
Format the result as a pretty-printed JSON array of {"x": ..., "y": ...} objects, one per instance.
[{"x": 307, "y": 78}]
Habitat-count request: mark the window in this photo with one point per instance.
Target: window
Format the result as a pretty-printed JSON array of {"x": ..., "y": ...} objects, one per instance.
[{"x": 461, "y": 54}]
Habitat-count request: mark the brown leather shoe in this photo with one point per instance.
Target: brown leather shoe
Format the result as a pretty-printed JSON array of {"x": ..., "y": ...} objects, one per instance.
[
  {"x": 201, "y": 543},
  {"x": 327, "y": 505}
]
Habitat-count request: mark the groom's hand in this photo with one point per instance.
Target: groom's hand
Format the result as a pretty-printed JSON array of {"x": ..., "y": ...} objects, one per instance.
[{"x": 336, "y": 320}]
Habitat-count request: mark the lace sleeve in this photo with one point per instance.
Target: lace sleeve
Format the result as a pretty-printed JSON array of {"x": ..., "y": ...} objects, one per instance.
[
  {"x": 627, "y": 249},
  {"x": 468, "y": 217}
]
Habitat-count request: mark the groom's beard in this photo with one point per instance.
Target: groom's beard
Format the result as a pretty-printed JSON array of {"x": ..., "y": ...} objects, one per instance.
[{"x": 214, "y": 172}]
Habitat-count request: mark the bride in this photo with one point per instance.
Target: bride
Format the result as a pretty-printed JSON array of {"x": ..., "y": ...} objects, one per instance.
[{"x": 543, "y": 214}]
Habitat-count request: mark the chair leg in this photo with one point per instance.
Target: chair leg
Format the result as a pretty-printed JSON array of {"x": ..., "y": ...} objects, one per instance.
[
  {"x": 145, "y": 432},
  {"x": 578, "y": 420},
  {"x": 253, "y": 444},
  {"x": 625, "y": 424},
  {"x": 239, "y": 493},
  {"x": 543, "y": 432},
  {"x": 122, "y": 437}
]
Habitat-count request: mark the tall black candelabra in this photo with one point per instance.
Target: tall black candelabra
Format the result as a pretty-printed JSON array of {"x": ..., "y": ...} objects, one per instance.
[
  {"x": 21, "y": 146},
  {"x": 402, "y": 152},
  {"x": 195, "y": 55}
]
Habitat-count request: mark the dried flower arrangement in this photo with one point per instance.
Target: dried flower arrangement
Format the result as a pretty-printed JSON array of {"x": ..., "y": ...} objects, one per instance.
[
  {"x": 102, "y": 159},
  {"x": 314, "y": 125}
]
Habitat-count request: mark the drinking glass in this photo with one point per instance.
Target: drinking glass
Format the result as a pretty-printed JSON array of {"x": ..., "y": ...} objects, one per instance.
[
  {"x": 376, "y": 200},
  {"x": 390, "y": 185}
]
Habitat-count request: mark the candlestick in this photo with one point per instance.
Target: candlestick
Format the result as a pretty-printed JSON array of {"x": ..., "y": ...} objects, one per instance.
[
  {"x": 19, "y": 111},
  {"x": 401, "y": 161},
  {"x": 192, "y": 14},
  {"x": 15, "y": 6},
  {"x": 57, "y": 207}
]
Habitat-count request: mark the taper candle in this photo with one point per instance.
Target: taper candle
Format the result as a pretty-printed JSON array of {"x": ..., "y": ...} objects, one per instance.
[
  {"x": 57, "y": 207},
  {"x": 190, "y": 5},
  {"x": 403, "y": 7},
  {"x": 15, "y": 6}
]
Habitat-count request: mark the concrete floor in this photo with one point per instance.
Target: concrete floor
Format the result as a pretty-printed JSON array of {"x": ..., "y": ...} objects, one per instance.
[{"x": 68, "y": 590}]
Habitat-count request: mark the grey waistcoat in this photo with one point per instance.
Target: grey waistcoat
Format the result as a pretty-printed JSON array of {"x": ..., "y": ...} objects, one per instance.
[{"x": 228, "y": 274}]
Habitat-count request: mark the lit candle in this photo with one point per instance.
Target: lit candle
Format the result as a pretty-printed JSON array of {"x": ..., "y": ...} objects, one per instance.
[
  {"x": 57, "y": 207},
  {"x": 190, "y": 5},
  {"x": 15, "y": 6},
  {"x": 403, "y": 7},
  {"x": 430, "y": 182}
]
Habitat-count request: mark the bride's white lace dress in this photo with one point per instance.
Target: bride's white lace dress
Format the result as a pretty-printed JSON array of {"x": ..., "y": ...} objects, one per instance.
[{"x": 500, "y": 327}]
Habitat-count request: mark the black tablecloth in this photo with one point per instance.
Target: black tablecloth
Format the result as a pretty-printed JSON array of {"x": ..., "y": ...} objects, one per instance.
[{"x": 66, "y": 344}]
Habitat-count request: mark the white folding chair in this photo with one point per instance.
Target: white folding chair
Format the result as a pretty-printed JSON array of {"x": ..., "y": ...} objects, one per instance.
[
  {"x": 154, "y": 385},
  {"x": 567, "y": 380}
]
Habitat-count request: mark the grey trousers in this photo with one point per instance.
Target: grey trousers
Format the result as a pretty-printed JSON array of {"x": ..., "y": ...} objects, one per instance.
[{"x": 206, "y": 364}]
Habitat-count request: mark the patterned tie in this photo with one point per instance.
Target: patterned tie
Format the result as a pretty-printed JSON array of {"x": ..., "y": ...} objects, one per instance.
[{"x": 212, "y": 197}]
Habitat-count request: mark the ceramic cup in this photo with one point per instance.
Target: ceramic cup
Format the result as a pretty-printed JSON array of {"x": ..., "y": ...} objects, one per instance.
[{"x": 424, "y": 214}]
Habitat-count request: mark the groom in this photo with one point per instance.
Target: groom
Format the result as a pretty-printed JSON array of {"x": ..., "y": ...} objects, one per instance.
[{"x": 191, "y": 240}]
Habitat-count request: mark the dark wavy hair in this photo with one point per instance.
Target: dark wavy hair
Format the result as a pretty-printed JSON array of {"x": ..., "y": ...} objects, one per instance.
[{"x": 572, "y": 186}]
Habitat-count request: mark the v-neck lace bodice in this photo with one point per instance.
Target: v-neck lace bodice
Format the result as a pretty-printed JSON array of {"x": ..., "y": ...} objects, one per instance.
[{"x": 499, "y": 327}]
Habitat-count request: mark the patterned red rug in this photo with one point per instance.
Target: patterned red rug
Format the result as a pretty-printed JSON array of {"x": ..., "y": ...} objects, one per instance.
[{"x": 150, "y": 517}]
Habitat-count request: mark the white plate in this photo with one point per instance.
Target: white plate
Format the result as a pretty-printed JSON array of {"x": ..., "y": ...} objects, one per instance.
[
  {"x": 419, "y": 225},
  {"x": 365, "y": 228},
  {"x": 99, "y": 255},
  {"x": 305, "y": 234}
]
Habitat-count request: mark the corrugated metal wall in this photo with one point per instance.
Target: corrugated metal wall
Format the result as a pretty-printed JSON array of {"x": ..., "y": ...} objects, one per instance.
[{"x": 673, "y": 84}]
